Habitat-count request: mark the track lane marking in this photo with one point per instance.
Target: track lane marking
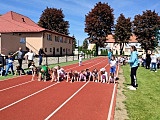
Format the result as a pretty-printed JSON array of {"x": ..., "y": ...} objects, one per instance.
[
  {"x": 38, "y": 92},
  {"x": 31, "y": 81},
  {"x": 112, "y": 99},
  {"x": 66, "y": 101},
  {"x": 15, "y": 86},
  {"x": 27, "y": 97}
]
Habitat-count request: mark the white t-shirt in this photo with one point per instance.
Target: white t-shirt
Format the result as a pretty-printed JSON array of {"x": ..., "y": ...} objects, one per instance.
[
  {"x": 80, "y": 58},
  {"x": 153, "y": 58},
  {"x": 30, "y": 55},
  {"x": 113, "y": 63}
]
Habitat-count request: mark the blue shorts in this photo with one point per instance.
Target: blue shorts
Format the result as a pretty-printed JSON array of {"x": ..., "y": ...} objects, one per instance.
[{"x": 113, "y": 69}]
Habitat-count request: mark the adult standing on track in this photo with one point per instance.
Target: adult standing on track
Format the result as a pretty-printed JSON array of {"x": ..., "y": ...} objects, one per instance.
[
  {"x": 109, "y": 54},
  {"x": 134, "y": 66},
  {"x": 41, "y": 54}
]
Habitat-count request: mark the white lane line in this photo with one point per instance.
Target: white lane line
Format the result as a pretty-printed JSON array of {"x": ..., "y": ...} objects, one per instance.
[
  {"x": 66, "y": 101},
  {"x": 111, "y": 104},
  {"x": 15, "y": 86},
  {"x": 36, "y": 92},
  {"x": 70, "y": 97},
  {"x": 31, "y": 81},
  {"x": 112, "y": 100},
  {"x": 27, "y": 97}
]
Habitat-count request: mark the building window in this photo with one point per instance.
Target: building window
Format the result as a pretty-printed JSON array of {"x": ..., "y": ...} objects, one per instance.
[
  {"x": 61, "y": 39},
  {"x": 56, "y": 39},
  {"x": 69, "y": 41},
  {"x": 45, "y": 50},
  {"x": 65, "y": 41},
  {"x": 57, "y": 49},
  {"x": 50, "y": 49},
  {"x": 63, "y": 50},
  {"x": 49, "y": 37}
]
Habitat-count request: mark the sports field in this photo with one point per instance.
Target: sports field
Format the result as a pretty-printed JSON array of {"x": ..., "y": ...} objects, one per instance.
[{"x": 23, "y": 99}]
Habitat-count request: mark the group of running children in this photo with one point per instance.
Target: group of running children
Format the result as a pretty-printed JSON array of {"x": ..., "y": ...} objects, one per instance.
[{"x": 57, "y": 74}]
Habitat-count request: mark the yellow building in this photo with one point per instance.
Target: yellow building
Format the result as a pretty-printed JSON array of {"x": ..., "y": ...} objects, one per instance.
[{"x": 17, "y": 31}]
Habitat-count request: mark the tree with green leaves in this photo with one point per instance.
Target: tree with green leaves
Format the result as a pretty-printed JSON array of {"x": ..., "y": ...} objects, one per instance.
[
  {"x": 53, "y": 19},
  {"x": 74, "y": 43},
  {"x": 99, "y": 23},
  {"x": 122, "y": 31},
  {"x": 145, "y": 28},
  {"x": 85, "y": 44}
]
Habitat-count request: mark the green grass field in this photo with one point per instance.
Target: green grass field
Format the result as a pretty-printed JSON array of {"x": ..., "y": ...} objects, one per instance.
[{"x": 144, "y": 103}]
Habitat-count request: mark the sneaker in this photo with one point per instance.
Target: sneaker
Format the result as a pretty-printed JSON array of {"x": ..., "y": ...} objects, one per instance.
[
  {"x": 132, "y": 88},
  {"x": 129, "y": 86},
  {"x": 155, "y": 71}
]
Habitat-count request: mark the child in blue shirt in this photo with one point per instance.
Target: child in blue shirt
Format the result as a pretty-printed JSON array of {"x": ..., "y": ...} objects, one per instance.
[{"x": 9, "y": 64}]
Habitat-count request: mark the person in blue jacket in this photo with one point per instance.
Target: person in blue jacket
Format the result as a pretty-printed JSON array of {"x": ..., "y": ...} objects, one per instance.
[
  {"x": 109, "y": 54},
  {"x": 134, "y": 66},
  {"x": 9, "y": 64}
]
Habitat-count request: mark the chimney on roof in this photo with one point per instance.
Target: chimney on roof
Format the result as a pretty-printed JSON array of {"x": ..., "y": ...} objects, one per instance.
[{"x": 23, "y": 20}]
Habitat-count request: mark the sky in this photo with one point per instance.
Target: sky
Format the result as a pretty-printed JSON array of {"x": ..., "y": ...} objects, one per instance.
[{"x": 75, "y": 10}]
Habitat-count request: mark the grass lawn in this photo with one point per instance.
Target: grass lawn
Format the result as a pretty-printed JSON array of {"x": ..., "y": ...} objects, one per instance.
[{"x": 144, "y": 103}]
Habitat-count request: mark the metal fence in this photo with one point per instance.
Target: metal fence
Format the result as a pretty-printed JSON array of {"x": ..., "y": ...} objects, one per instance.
[{"x": 46, "y": 60}]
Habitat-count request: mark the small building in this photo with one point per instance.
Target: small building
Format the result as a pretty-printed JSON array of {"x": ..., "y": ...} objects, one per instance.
[
  {"x": 17, "y": 30},
  {"x": 110, "y": 44}
]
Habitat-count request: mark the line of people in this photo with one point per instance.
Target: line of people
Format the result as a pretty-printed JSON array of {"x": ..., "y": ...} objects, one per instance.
[{"x": 57, "y": 74}]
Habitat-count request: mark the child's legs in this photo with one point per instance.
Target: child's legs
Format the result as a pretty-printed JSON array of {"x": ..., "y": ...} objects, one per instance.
[
  {"x": 7, "y": 69},
  {"x": 154, "y": 66},
  {"x": 80, "y": 62},
  {"x": 12, "y": 69},
  {"x": 40, "y": 76}
]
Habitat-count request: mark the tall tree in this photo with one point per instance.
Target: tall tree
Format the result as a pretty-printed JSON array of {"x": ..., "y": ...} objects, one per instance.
[
  {"x": 99, "y": 23},
  {"x": 85, "y": 44},
  {"x": 122, "y": 31},
  {"x": 74, "y": 43},
  {"x": 145, "y": 28},
  {"x": 53, "y": 19}
]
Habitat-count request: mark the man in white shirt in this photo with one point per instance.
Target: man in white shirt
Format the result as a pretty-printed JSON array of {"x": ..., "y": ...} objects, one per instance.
[{"x": 29, "y": 56}]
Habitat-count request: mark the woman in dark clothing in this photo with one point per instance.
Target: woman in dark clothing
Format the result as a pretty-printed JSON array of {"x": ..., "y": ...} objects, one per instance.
[
  {"x": 41, "y": 54},
  {"x": 148, "y": 60}
]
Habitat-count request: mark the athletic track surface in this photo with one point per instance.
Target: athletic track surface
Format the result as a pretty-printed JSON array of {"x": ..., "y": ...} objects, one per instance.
[{"x": 23, "y": 99}]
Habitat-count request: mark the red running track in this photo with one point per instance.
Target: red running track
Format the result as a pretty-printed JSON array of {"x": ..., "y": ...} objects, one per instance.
[{"x": 91, "y": 101}]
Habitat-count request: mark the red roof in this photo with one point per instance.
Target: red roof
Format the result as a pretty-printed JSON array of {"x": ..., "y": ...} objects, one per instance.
[
  {"x": 110, "y": 39},
  {"x": 14, "y": 22}
]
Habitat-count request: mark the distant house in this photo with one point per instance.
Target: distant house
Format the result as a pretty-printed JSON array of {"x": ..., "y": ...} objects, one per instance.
[
  {"x": 110, "y": 44},
  {"x": 17, "y": 31}
]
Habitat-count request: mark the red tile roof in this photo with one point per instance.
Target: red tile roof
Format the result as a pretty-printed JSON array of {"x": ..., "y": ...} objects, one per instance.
[
  {"x": 14, "y": 22},
  {"x": 110, "y": 39}
]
